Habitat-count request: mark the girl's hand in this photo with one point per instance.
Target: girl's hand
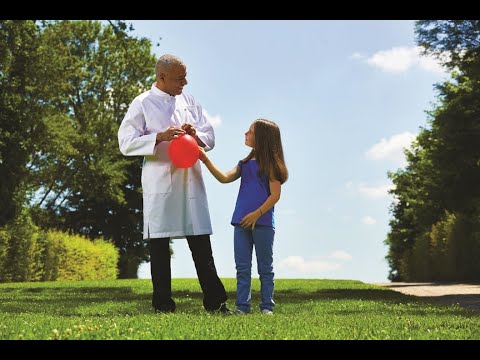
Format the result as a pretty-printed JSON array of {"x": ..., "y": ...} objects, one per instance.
[
  {"x": 250, "y": 219},
  {"x": 202, "y": 155}
]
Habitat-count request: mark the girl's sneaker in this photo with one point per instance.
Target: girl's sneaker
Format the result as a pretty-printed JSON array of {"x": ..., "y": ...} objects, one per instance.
[
  {"x": 267, "y": 312},
  {"x": 239, "y": 312}
]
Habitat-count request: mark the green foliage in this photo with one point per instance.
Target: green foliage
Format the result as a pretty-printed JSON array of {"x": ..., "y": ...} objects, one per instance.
[
  {"x": 416, "y": 262},
  {"x": 81, "y": 259},
  {"x": 52, "y": 252},
  {"x": 444, "y": 262},
  {"x": 460, "y": 39},
  {"x": 437, "y": 193},
  {"x": 4, "y": 241},
  {"x": 20, "y": 72},
  {"x": 64, "y": 89},
  {"x": 29, "y": 254},
  {"x": 22, "y": 260},
  {"x": 107, "y": 260},
  {"x": 85, "y": 183}
]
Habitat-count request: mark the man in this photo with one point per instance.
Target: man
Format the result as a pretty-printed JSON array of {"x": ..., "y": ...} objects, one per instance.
[{"x": 174, "y": 199}]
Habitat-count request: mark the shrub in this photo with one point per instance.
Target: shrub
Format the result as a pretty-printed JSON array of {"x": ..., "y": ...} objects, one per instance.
[
  {"x": 22, "y": 260},
  {"x": 28, "y": 254},
  {"x": 78, "y": 258}
]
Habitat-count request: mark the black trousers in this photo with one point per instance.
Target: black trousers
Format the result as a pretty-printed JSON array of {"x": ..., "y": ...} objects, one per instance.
[{"x": 213, "y": 290}]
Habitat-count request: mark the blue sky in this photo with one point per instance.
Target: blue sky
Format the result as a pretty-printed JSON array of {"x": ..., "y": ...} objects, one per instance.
[{"x": 347, "y": 95}]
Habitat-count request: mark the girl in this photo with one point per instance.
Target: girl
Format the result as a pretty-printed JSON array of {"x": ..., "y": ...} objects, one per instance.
[{"x": 262, "y": 174}]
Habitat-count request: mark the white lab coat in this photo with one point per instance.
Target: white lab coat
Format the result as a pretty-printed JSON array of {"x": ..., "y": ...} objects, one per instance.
[{"x": 174, "y": 199}]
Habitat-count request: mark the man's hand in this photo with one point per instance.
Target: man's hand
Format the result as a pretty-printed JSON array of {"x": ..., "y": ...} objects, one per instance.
[
  {"x": 171, "y": 133},
  {"x": 189, "y": 129}
]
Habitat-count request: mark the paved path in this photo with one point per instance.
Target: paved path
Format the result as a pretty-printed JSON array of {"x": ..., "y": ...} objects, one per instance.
[{"x": 466, "y": 295}]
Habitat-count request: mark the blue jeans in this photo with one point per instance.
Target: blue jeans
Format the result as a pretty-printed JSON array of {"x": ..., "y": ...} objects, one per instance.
[{"x": 244, "y": 239}]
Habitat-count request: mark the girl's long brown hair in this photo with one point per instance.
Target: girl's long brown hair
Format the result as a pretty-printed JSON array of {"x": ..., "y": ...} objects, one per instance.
[{"x": 268, "y": 150}]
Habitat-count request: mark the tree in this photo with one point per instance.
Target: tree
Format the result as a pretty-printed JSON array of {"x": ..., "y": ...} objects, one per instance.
[
  {"x": 27, "y": 79},
  {"x": 18, "y": 46},
  {"x": 443, "y": 170},
  {"x": 80, "y": 181},
  {"x": 455, "y": 42}
]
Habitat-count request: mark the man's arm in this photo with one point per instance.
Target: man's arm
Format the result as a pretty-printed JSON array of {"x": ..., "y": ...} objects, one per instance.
[
  {"x": 204, "y": 133},
  {"x": 132, "y": 140}
]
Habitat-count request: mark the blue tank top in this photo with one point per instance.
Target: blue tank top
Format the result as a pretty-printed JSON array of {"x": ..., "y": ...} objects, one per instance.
[{"x": 253, "y": 192}]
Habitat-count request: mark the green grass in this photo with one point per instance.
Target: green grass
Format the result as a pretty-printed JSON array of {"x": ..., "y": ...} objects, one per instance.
[{"x": 306, "y": 309}]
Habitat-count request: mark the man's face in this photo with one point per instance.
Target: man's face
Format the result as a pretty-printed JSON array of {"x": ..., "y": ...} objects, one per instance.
[{"x": 173, "y": 81}]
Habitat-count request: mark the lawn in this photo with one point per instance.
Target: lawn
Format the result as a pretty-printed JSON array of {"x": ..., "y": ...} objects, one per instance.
[{"x": 306, "y": 309}]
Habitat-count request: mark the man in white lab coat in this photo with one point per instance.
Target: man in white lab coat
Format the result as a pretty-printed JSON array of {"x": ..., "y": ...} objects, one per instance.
[{"x": 174, "y": 199}]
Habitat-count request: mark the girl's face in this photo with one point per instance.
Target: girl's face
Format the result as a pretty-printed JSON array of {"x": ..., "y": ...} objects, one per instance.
[{"x": 250, "y": 137}]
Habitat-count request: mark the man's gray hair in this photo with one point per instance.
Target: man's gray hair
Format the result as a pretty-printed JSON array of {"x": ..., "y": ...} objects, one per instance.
[{"x": 165, "y": 62}]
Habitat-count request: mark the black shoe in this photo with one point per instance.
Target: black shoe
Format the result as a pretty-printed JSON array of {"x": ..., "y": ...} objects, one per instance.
[
  {"x": 222, "y": 310},
  {"x": 164, "y": 310},
  {"x": 164, "y": 307}
]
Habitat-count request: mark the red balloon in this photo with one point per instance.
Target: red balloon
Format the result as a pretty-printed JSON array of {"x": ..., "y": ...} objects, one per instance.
[{"x": 183, "y": 151}]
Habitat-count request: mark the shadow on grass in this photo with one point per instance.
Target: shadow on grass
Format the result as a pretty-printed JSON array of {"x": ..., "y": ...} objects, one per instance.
[
  {"x": 119, "y": 301},
  {"x": 401, "y": 285},
  {"x": 74, "y": 301},
  {"x": 414, "y": 305},
  {"x": 470, "y": 301},
  {"x": 467, "y": 300},
  {"x": 90, "y": 301}
]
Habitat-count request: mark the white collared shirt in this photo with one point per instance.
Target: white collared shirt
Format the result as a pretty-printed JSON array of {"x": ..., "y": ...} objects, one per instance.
[{"x": 174, "y": 199}]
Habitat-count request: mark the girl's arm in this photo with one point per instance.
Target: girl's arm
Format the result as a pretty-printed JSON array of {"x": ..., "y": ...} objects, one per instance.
[
  {"x": 250, "y": 219},
  {"x": 224, "y": 178}
]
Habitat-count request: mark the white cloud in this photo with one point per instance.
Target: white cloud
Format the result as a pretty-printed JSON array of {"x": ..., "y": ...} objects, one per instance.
[
  {"x": 374, "y": 192},
  {"x": 341, "y": 255},
  {"x": 368, "y": 220},
  {"x": 392, "y": 148},
  {"x": 430, "y": 64},
  {"x": 216, "y": 120},
  {"x": 298, "y": 263},
  {"x": 402, "y": 59},
  {"x": 398, "y": 59}
]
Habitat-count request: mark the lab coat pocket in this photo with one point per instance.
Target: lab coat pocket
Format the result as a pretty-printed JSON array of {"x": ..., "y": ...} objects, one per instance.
[
  {"x": 193, "y": 113},
  {"x": 156, "y": 178}
]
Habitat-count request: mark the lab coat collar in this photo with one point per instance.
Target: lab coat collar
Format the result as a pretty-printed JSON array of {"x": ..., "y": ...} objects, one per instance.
[{"x": 156, "y": 91}]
